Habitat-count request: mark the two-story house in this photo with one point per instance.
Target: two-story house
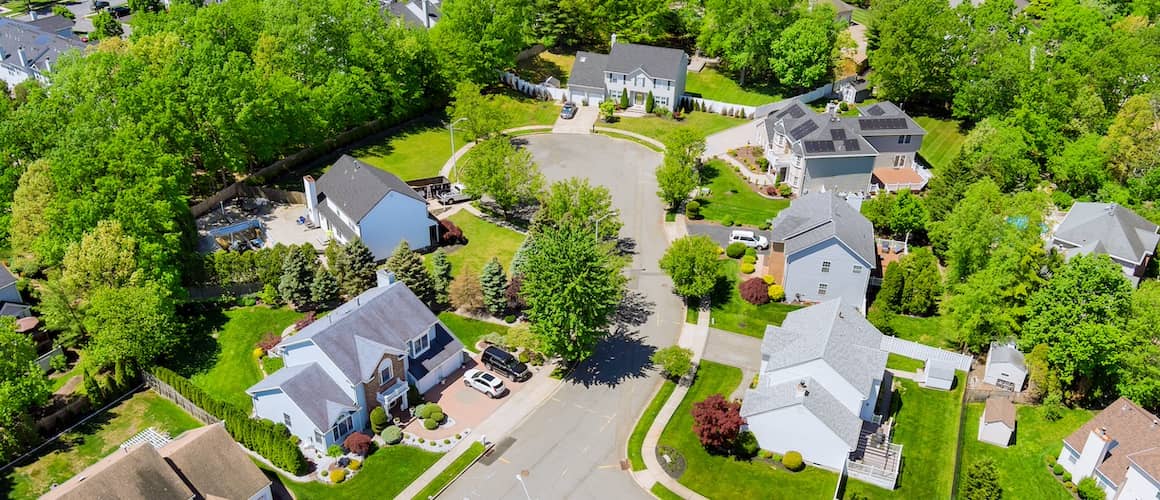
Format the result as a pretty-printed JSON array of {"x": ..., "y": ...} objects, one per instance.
[
  {"x": 28, "y": 51},
  {"x": 821, "y": 248},
  {"x": 356, "y": 200},
  {"x": 1109, "y": 229},
  {"x": 630, "y": 69},
  {"x": 813, "y": 151},
  {"x": 1119, "y": 449},
  {"x": 362, "y": 355}
]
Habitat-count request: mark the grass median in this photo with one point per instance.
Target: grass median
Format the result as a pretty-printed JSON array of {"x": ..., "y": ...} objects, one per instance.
[
  {"x": 636, "y": 440},
  {"x": 451, "y": 472}
]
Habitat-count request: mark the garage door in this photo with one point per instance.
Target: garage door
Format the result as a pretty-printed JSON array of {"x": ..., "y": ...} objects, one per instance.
[{"x": 449, "y": 367}]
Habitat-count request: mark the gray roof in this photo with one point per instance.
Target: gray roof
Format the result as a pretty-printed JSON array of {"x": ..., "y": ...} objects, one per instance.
[
  {"x": 842, "y": 7},
  {"x": 1006, "y": 353},
  {"x": 818, "y": 134},
  {"x": 588, "y": 70},
  {"x": 139, "y": 472},
  {"x": 657, "y": 62},
  {"x": 816, "y": 217},
  {"x": 886, "y": 118},
  {"x": 15, "y": 310},
  {"x": 55, "y": 24},
  {"x": 39, "y": 44},
  {"x": 210, "y": 460},
  {"x": 411, "y": 11},
  {"x": 444, "y": 347},
  {"x": 1109, "y": 228},
  {"x": 858, "y": 81},
  {"x": 833, "y": 332},
  {"x": 309, "y": 387},
  {"x": 356, "y": 187},
  {"x": 940, "y": 369},
  {"x": 6, "y": 276},
  {"x": 815, "y": 398}
]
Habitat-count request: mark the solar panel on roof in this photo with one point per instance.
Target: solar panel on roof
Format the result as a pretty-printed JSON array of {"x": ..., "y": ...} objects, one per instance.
[
  {"x": 796, "y": 112},
  {"x": 838, "y": 134},
  {"x": 851, "y": 144},
  {"x": 802, "y": 130},
  {"x": 819, "y": 146},
  {"x": 882, "y": 123}
]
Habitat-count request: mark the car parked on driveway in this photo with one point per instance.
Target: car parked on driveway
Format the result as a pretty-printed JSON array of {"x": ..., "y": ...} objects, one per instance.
[
  {"x": 569, "y": 111},
  {"x": 484, "y": 382},
  {"x": 503, "y": 363},
  {"x": 749, "y": 239}
]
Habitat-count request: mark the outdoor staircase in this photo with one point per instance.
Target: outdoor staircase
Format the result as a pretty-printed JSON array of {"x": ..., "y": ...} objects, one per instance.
[{"x": 876, "y": 460}]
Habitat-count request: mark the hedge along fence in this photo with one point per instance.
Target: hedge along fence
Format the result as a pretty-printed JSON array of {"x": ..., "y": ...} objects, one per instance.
[
  {"x": 261, "y": 267},
  {"x": 271, "y": 441}
]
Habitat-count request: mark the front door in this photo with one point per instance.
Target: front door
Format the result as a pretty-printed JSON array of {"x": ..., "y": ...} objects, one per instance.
[{"x": 638, "y": 98}]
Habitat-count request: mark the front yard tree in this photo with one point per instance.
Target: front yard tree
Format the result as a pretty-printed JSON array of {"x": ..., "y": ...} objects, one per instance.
[
  {"x": 742, "y": 32},
  {"x": 482, "y": 116},
  {"x": 408, "y": 268},
  {"x": 466, "y": 293},
  {"x": 508, "y": 175},
  {"x": 573, "y": 286},
  {"x": 650, "y": 103},
  {"x": 297, "y": 275},
  {"x": 685, "y": 147},
  {"x": 693, "y": 265},
  {"x": 674, "y": 361},
  {"x": 676, "y": 182},
  {"x": 355, "y": 268},
  {"x": 623, "y": 102},
  {"x": 802, "y": 55},
  {"x": 494, "y": 285},
  {"x": 105, "y": 26},
  {"x": 474, "y": 38},
  {"x": 133, "y": 325},
  {"x": 577, "y": 199},
  {"x": 607, "y": 110},
  {"x": 324, "y": 288},
  {"x": 440, "y": 275},
  {"x": 716, "y": 422},
  {"x": 982, "y": 481}
]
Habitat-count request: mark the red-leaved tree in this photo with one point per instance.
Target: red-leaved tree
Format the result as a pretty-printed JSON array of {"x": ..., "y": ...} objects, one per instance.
[
  {"x": 358, "y": 442},
  {"x": 717, "y": 422},
  {"x": 451, "y": 233},
  {"x": 755, "y": 291}
]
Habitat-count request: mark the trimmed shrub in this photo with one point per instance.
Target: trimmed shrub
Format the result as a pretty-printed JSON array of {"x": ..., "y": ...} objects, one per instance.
[
  {"x": 735, "y": 250},
  {"x": 754, "y": 291},
  {"x": 354, "y": 465},
  {"x": 766, "y": 454},
  {"x": 438, "y": 416},
  {"x": 337, "y": 476},
  {"x": 452, "y": 235},
  {"x": 493, "y": 338},
  {"x": 392, "y": 434},
  {"x": 748, "y": 259},
  {"x": 334, "y": 450},
  {"x": 1057, "y": 469},
  {"x": 1089, "y": 490},
  {"x": 768, "y": 279},
  {"x": 793, "y": 461},
  {"x": 693, "y": 210},
  {"x": 745, "y": 447},
  {"x": 727, "y": 221},
  {"x": 257, "y": 353},
  {"x": 430, "y": 424},
  {"x": 509, "y": 319},
  {"x": 358, "y": 443},
  {"x": 379, "y": 420},
  {"x": 720, "y": 250},
  {"x": 784, "y": 189},
  {"x": 426, "y": 411},
  {"x": 751, "y": 252},
  {"x": 421, "y": 440},
  {"x": 776, "y": 293},
  {"x": 524, "y": 357},
  {"x": 747, "y": 268},
  {"x": 1066, "y": 476}
]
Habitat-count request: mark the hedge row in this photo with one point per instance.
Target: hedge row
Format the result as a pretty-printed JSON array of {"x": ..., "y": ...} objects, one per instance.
[
  {"x": 266, "y": 438},
  {"x": 238, "y": 268}
]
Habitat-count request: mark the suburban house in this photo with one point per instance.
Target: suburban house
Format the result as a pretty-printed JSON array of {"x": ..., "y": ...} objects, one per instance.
[
  {"x": 631, "y": 69},
  {"x": 1109, "y": 229},
  {"x": 1005, "y": 367},
  {"x": 362, "y": 355},
  {"x": 356, "y": 200},
  {"x": 852, "y": 89},
  {"x": 11, "y": 302},
  {"x": 60, "y": 25},
  {"x": 821, "y": 248},
  {"x": 823, "y": 389},
  {"x": 997, "y": 423},
  {"x": 813, "y": 151},
  {"x": 938, "y": 374},
  {"x": 28, "y": 51},
  {"x": 419, "y": 13},
  {"x": 1120, "y": 449},
  {"x": 203, "y": 463}
]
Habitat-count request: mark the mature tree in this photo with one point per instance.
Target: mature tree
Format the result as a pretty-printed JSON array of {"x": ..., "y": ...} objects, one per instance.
[
  {"x": 31, "y": 209},
  {"x": 297, "y": 275},
  {"x": 674, "y": 361},
  {"x": 890, "y": 293},
  {"x": 577, "y": 199},
  {"x": 478, "y": 37},
  {"x": 693, "y": 265},
  {"x": 493, "y": 281},
  {"x": 478, "y": 115},
  {"x": 408, "y": 268},
  {"x": 716, "y": 422},
  {"x": 741, "y": 32},
  {"x": 908, "y": 214},
  {"x": 914, "y": 58},
  {"x": 982, "y": 481},
  {"x": 105, "y": 257},
  {"x": 923, "y": 283},
  {"x": 573, "y": 286},
  {"x": 802, "y": 55},
  {"x": 508, "y": 175},
  {"x": 966, "y": 236},
  {"x": 1081, "y": 168},
  {"x": 676, "y": 182},
  {"x": 324, "y": 287},
  {"x": 1139, "y": 374},
  {"x": 134, "y": 325},
  {"x": 106, "y": 26},
  {"x": 440, "y": 275},
  {"x": 355, "y": 268},
  {"x": 145, "y": 5},
  {"x": 1003, "y": 152},
  {"x": 685, "y": 147},
  {"x": 466, "y": 293},
  {"x": 22, "y": 383},
  {"x": 1132, "y": 145}
]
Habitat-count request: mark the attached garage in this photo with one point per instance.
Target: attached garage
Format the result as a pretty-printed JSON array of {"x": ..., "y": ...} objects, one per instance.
[{"x": 439, "y": 361}]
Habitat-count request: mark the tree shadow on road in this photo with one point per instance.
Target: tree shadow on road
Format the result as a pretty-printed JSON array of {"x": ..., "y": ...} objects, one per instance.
[
  {"x": 619, "y": 357},
  {"x": 634, "y": 311}
]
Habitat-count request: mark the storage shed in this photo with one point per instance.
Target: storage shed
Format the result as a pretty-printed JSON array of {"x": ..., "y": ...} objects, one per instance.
[
  {"x": 1005, "y": 367},
  {"x": 939, "y": 374},
  {"x": 997, "y": 424}
]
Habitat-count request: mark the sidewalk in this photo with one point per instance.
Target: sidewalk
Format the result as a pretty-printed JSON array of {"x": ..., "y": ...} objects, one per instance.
[{"x": 445, "y": 171}]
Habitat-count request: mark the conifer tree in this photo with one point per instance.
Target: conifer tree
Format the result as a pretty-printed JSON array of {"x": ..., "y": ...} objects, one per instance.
[
  {"x": 324, "y": 288},
  {"x": 494, "y": 284},
  {"x": 440, "y": 275},
  {"x": 297, "y": 274},
  {"x": 408, "y": 268},
  {"x": 355, "y": 268}
]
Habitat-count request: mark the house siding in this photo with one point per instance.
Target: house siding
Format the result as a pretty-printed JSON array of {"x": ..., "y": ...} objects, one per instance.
[
  {"x": 796, "y": 429},
  {"x": 995, "y": 372},
  {"x": 272, "y": 404},
  {"x": 1138, "y": 485},
  {"x": 804, "y": 273},
  {"x": 396, "y": 218},
  {"x": 850, "y": 174},
  {"x": 672, "y": 91}
]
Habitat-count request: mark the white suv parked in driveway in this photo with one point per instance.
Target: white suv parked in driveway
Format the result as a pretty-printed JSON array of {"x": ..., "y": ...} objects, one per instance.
[{"x": 749, "y": 239}]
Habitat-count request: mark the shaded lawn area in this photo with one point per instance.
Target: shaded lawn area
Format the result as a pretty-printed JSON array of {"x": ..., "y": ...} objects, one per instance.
[
  {"x": 646, "y": 420},
  {"x": 468, "y": 330},
  {"x": 461, "y": 463},
  {"x": 661, "y": 128},
  {"x": 484, "y": 241},
  {"x": 721, "y": 477},
  {"x": 927, "y": 427},
  {"x": 384, "y": 474},
  {"x": 59, "y": 379},
  {"x": 545, "y": 64},
  {"x": 94, "y": 440},
  {"x": 414, "y": 153},
  {"x": 1022, "y": 470},
  {"x": 731, "y": 196},
  {"x": 524, "y": 110},
  {"x": 713, "y": 85},
  {"x": 903, "y": 363},
  {"x": 732, "y": 313},
  {"x": 235, "y": 370},
  {"x": 935, "y": 331},
  {"x": 942, "y": 142}
]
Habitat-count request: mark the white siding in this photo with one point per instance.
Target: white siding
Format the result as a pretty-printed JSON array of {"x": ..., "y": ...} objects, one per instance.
[
  {"x": 1004, "y": 371},
  {"x": 996, "y": 433},
  {"x": 804, "y": 273},
  {"x": 661, "y": 88},
  {"x": 272, "y": 405},
  {"x": 1139, "y": 486},
  {"x": 396, "y": 218},
  {"x": 825, "y": 375},
  {"x": 263, "y": 494},
  {"x": 796, "y": 429},
  {"x": 439, "y": 373}
]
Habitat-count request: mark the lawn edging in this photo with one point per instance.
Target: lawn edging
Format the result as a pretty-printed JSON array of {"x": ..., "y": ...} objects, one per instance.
[
  {"x": 445, "y": 171},
  {"x": 644, "y": 422},
  {"x": 655, "y": 144},
  {"x": 456, "y": 469}
]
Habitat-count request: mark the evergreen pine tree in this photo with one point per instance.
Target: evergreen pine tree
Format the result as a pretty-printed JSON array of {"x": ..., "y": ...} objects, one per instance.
[
  {"x": 890, "y": 294},
  {"x": 355, "y": 268},
  {"x": 119, "y": 374},
  {"x": 92, "y": 388},
  {"x": 494, "y": 284},
  {"x": 623, "y": 100},
  {"x": 324, "y": 288},
  {"x": 650, "y": 103},
  {"x": 440, "y": 275},
  {"x": 297, "y": 274},
  {"x": 408, "y": 268}
]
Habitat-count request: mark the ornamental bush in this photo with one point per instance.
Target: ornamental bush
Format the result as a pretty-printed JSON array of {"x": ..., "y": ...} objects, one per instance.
[
  {"x": 334, "y": 450},
  {"x": 735, "y": 250},
  {"x": 716, "y": 422},
  {"x": 748, "y": 259},
  {"x": 1089, "y": 490},
  {"x": 1057, "y": 469},
  {"x": 358, "y": 443},
  {"x": 754, "y": 291},
  {"x": 354, "y": 465},
  {"x": 257, "y": 353},
  {"x": 438, "y": 416},
  {"x": 793, "y": 461},
  {"x": 693, "y": 210},
  {"x": 776, "y": 293},
  {"x": 426, "y": 411},
  {"x": 392, "y": 434},
  {"x": 430, "y": 424},
  {"x": 784, "y": 189},
  {"x": 747, "y": 268},
  {"x": 1066, "y": 476},
  {"x": 337, "y": 476},
  {"x": 727, "y": 221},
  {"x": 379, "y": 419},
  {"x": 745, "y": 447},
  {"x": 751, "y": 252},
  {"x": 768, "y": 279}
]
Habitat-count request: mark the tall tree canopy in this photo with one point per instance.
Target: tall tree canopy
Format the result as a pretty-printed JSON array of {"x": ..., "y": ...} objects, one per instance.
[
  {"x": 575, "y": 198},
  {"x": 476, "y": 38}
]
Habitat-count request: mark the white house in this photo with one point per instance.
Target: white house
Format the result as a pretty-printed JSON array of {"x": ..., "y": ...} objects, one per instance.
[
  {"x": 356, "y": 200},
  {"x": 1109, "y": 229},
  {"x": 939, "y": 374},
  {"x": 28, "y": 51},
  {"x": 632, "y": 69},
  {"x": 821, "y": 248},
  {"x": 1120, "y": 449},
  {"x": 997, "y": 423},
  {"x": 1005, "y": 367},
  {"x": 362, "y": 355}
]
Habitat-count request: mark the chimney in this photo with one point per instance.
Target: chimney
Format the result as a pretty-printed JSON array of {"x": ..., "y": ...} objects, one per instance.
[
  {"x": 613, "y": 42},
  {"x": 311, "y": 199},
  {"x": 384, "y": 277},
  {"x": 48, "y": 65},
  {"x": 23, "y": 58},
  {"x": 1092, "y": 455},
  {"x": 426, "y": 15}
]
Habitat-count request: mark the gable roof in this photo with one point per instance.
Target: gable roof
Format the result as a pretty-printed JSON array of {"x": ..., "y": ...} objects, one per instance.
[
  {"x": 6, "y": 276},
  {"x": 53, "y": 23},
  {"x": 210, "y": 460},
  {"x": 842, "y": 7},
  {"x": 657, "y": 62},
  {"x": 1108, "y": 228},
  {"x": 39, "y": 44},
  {"x": 312, "y": 390},
  {"x": 588, "y": 70},
  {"x": 1148, "y": 461},
  {"x": 1006, "y": 353},
  {"x": 1132, "y": 428},
  {"x": 138, "y": 472},
  {"x": 999, "y": 410},
  {"x": 816, "y": 217},
  {"x": 817, "y": 134},
  {"x": 813, "y": 397},
  {"x": 886, "y": 118},
  {"x": 356, "y": 188}
]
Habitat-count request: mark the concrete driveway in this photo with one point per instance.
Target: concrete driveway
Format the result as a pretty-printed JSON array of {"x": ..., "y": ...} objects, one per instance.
[
  {"x": 580, "y": 124},
  {"x": 720, "y": 234},
  {"x": 734, "y": 349},
  {"x": 723, "y": 141}
]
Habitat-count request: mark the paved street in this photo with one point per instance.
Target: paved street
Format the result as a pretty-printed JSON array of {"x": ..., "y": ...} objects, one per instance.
[{"x": 572, "y": 445}]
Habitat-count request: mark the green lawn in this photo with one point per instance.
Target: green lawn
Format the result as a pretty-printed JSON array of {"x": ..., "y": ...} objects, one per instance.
[
  {"x": 934, "y": 331},
  {"x": 731, "y": 197},
  {"x": 721, "y": 477},
  {"x": 663, "y": 493},
  {"x": 862, "y": 16},
  {"x": 413, "y": 153},
  {"x": 525, "y": 110},
  {"x": 461, "y": 463},
  {"x": 713, "y": 85},
  {"x": 469, "y": 330},
  {"x": 484, "y": 241},
  {"x": 1022, "y": 470},
  {"x": 942, "y": 142},
  {"x": 692, "y": 313},
  {"x": 545, "y": 64},
  {"x": 660, "y": 128},
  {"x": 732, "y": 313},
  {"x": 384, "y": 474},
  {"x": 927, "y": 427},
  {"x": 94, "y": 440},
  {"x": 59, "y": 379},
  {"x": 903, "y": 363},
  {"x": 646, "y": 420},
  {"x": 235, "y": 370}
]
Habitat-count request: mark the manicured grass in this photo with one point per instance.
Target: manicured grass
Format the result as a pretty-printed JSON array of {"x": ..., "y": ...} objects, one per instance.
[
  {"x": 484, "y": 241},
  {"x": 692, "y": 312},
  {"x": 934, "y": 331},
  {"x": 713, "y": 85},
  {"x": 661, "y": 128},
  {"x": 862, "y": 16},
  {"x": 57, "y": 380},
  {"x": 449, "y": 474},
  {"x": 903, "y": 363},
  {"x": 942, "y": 142},
  {"x": 731, "y": 197},
  {"x": 646, "y": 420},
  {"x": 94, "y": 440},
  {"x": 732, "y": 313},
  {"x": 413, "y": 153},
  {"x": 663, "y": 493},
  {"x": 468, "y": 330},
  {"x": 384, "y": 474},
  {"x": 618, "y": 135},
  {"x": 721, "y": 477},
  {"x": 927, "y": 427},
  {"x": 235, "y": 370},
  {"x": 272, "y": 365},
  {"x": 525, "y": 110},
  {"x": 545, "y": 64},
  {"x": 1022, "y": 470}
]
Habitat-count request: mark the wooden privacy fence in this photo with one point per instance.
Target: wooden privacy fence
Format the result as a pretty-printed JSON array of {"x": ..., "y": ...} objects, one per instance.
[
  {"x": 241, "y": 189},
  {"x": 168, "y": 392}
]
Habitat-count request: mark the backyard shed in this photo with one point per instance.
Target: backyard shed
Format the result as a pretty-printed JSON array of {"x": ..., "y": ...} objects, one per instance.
[
  {"x": 939, "y": 374},
  {"x": 1005, "y": 367},
  {"x": 997, "y": 424}
]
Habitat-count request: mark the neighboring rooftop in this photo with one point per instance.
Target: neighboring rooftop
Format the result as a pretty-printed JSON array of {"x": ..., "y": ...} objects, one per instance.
[
  {"x": 39, "y": 44},
  {"x": 411, "y": 11},
  {"x": 1006, "y": 353},
  {"x": 657, "y": 62},
  {"x": 356, "y": 187},
  {"x": 815, "y": 217},
  {"x": 811, "y": 395},
  {"x": 818, "y": 134},
  {"x": 1108, "y": 228},
  {"x": 208, "y": 458},
  {"x": 1136, "y": 433},
  {"x": 55, "y": 24},
  {"x": 999, "y": 410},
  {"x": 6, "y": 276}
]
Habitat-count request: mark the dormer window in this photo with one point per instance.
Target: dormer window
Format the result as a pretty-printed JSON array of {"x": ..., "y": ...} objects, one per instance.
[
  {"x": 419, "y": 346},
  {"x": 386, "y": 372}
]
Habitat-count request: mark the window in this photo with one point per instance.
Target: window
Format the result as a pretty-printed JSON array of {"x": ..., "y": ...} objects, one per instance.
[
  {"x": 610, "y": 77},
  {"x": 822, "y": 288},
  {"x": 904, "y": 139},
  {"x": 899, "y": 161},
  {"x": 857, "y": 269},
  {"x": 318, "y": 438},
  {"x": 656, "y": 83},
  {"x": 341, "y": 429},
  {"x": 662, "y": 101},
  {"x": 387, "y": 372},
  {"x": 640, "y": 81},
  {"x": 420, "y": 345},
  {"x": 825, "y": 266},
  {"x": 286, "y": 419}
]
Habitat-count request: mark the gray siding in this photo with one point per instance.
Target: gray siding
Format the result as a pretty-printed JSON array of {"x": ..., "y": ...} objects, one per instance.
[
  {"x": 804, "y": 273},
  {"x": 842, "y": 174},
  {"x": 889, "y": 143}
]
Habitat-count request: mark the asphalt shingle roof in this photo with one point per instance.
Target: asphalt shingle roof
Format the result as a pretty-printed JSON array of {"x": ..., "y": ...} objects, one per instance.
[
  {"x": 815, "y": 398},
  {"x": 999, "y": 410},
  {"x": 6, "y": 276},
  {"x": 139, "y": 472},
  {"x": 940, "y": 369},
  {"x": 816, "y": 217},
  {"x": 210, "y": 460},
  {"x": 818, "y": 134},
  {"x": 1109, "y": 228},
  {"x": 1133, "y": 429},
  {"x": 312, "y": 389},
  {"x": 39, "y": 44},
  {"x": 886, "y": 118},
  {"x": 1005, "y": 353},
  {"x": 588, "y": 70},
  {"x": 356, "y": 187},
  {"x": 657, "y": 62}
]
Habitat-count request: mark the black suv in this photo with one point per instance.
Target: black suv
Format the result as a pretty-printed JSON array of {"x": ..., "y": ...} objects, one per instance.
[{"x": 502, "y": 362}]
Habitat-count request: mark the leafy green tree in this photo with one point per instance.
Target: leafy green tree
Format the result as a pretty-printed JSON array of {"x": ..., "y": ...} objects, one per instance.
[
  {"x": 106, "y": 257},
  {"x": 1131, "y": 143},
  {"x": 324, "y": 287},
  {"x": 908, "y": 214},
  {"x": 1139, "y": 372},
  {"x": 478, "y": 115},
  {"x": 922, "y": 286},
  {"x": 466, "y": 293},
  {"x": 476, "y": 38},
  {"x": 577, "y": 199},
  {"x": 440, "y": 275},
  {"x": 493, "y": 281},
  {"x": 23, "y": 385},
  {"x": 966, "y": 236},
  {"x": 508, "y": 175},
  {"x": 408, "y": 268},
  {"x": 741, "y": 32},
  {"x": 676, "y": 182},
  {"x": 145, "y": 5},
  {"x": 693, "y": 265},
  {"x": 1081, "y": 168},
  {"x": 982, "y": 481},
  {"x": 355, "y": 268},
  {"x": 105, "y": 26},
  {"x": 607, "y": 110},
  {"x": 890, "y": 293},
  {"x": 913, "y": 59},
  {"x": 674, "y": 361},
  {"x": 297, "y": 275},
  {"x": 134, "y": 324},
  {"x": 802, "y": 55},
  {"x": 572, "y": 285},
  {"x": 31, "y": 210},
  {"x": 685, "y": 146},
  {"x": 1002, "y": 152}
]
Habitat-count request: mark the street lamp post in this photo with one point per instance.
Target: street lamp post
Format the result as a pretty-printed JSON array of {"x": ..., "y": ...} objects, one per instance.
[
  {"x": 602, "y": 217},
  {"x": 521, "y": 480},
  {"x": 451, "y": 128}
]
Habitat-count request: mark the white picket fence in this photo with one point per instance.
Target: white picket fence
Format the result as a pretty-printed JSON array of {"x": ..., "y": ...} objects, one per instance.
[
  {"x": 711, "y": 106},
  {"x": 531, "y": 89},
  {"x": 914, "y": 350}
]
